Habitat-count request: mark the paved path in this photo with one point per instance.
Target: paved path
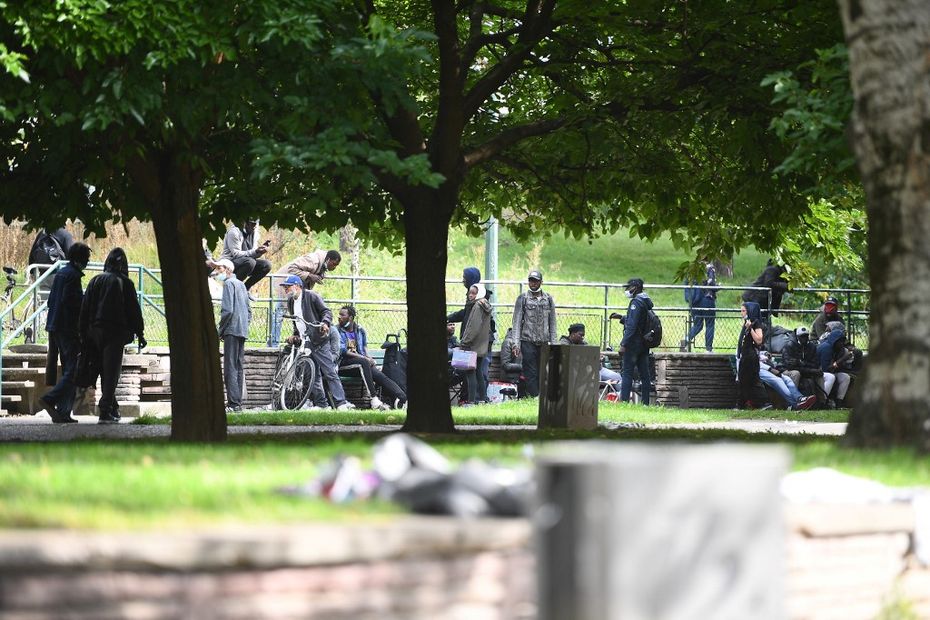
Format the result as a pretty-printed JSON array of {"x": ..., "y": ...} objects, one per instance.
[{"x": 40, "y": 428}]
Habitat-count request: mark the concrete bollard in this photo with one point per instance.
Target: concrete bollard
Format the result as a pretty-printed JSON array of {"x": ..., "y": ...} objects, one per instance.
[
  {"x": 568, "y": 382},
  {"x": 628, "y": 531}
]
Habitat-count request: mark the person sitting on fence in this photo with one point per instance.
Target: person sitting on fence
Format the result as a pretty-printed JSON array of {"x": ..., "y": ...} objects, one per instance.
[
  {"x": 475, "y": 337},
  {"x": 834, "y": 356},
  {"x": 311, "y": 268},
  {"x": 750, "y": 392},
  {"x": 241, "y": 247},
  {"x": 702, "y": 301},
  {"x": 235, "y": 316},
  {"x": 309, "y": 306},
  {"x": 803, "y": 366},
  {"x": 576, "y": 332},
  {"x": 830, "y": 311},
  {"x": 772, "y": 279},
  {"x": 354, "y": 350}
]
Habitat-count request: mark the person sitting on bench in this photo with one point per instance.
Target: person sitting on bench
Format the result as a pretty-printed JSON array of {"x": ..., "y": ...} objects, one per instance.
[{"x": 354, "y": 349}]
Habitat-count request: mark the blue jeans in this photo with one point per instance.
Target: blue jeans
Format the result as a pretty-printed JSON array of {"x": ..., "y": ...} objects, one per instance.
[
  {"x": 704, "y": 314},
  {"x": 275, "y": 337},
  {"x": 635, "y": 355},
  {"x": 783, "y": 385},
  {"x": 62, "y": 395}
]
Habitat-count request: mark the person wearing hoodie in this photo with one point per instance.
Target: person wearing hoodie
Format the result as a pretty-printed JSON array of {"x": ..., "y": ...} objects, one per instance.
[
  {"x": 773, "y": 279},
  {"x": 750, "y": 392},
  {"x": 475, "y": 338},
  {"x": 533, "y": 326},
  {"x": 832, "y": 353},
  {"x": 110, "y": 319},
  {"x": 633, "y": 346}
]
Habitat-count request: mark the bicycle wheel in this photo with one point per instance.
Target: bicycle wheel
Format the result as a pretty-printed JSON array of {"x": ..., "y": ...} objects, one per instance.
[{"x": 297, "y": 384}]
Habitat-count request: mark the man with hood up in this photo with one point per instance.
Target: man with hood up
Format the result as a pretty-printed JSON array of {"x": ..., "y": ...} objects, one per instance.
[
  {"x": 633, "y": 346},
  {"x": 110, "y": 319},
  {"x": 773, "y": 279},
  {"x": 475, "y": 338}
]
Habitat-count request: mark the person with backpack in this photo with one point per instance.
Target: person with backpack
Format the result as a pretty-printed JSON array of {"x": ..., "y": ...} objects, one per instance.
[
  {"x": 639, "y": 335},
  {"x": 702, "y": 301},
  {"x": 533, "y": 326},
  {"x": 49, "y": 247}
]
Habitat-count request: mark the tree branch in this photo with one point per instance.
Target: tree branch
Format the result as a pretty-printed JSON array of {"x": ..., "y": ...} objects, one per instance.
[
  {"x": 537, "y": 22},
  {"x": 510, "y": 137},
  {"x": 447, "y": 133}
]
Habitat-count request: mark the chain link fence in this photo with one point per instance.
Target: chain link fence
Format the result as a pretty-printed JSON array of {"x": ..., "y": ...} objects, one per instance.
[{"x": 382, "y": 309}]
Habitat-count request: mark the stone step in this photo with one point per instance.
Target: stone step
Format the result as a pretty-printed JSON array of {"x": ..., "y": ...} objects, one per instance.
[
  {"x": 11, "y": 398},
  {"x": 12, "y": 386},
  {"x": 19, "y": 374},
  {"x": 18, "y": 360}
]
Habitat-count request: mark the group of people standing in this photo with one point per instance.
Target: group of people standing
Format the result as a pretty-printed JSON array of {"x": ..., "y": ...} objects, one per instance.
[{"x": 534, "y": 325}]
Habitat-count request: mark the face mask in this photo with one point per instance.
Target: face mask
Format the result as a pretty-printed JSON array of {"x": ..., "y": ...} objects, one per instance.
[
  {"x": 220, "y": 277},
  {"x": 630, "y": 294},
  {"x": 292, "y": 294}
]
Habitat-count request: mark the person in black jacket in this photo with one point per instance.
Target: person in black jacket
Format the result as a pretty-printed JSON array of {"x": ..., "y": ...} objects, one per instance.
[
  {"x": 64, "y": 309},
  {"x": 772, "y": 279},
  {"x": 110, "y": 319}
]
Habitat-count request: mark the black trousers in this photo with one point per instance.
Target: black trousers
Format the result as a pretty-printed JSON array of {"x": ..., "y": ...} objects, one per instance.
[
  {"x": 372, "y": 377},
  {"x": 530, "y": 354},
  {"x": 105, "y": 357},
  {"x": 62, "y": 395},
  {"x": 251, "y": 270}
]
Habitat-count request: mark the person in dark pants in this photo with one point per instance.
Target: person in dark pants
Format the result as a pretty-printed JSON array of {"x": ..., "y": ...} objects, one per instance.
[
  {"x": 110, "y": 319},
  {"x": 703, "y": 304},
  {"x": 64, "y": 309},
  {"x": 533, "y": 325},
  {"x": 235, "y": 316},
  {"x": 241, "y": 247},
  {"x": 353, "y": 348},
  {"x": 633, "y": 346}
]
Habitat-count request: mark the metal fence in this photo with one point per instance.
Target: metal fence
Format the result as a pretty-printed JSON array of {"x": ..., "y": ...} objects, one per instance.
[{"x": 382, "y": 308}]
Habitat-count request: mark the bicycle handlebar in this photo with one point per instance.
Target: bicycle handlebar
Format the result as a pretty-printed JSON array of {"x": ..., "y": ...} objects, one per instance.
[{"x": 302, "y": 320}]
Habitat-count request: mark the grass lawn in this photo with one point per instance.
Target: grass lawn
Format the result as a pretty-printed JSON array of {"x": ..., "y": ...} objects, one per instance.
[
  {"x": 521, "y": 412},
  {"x": 136, "y": 484}
]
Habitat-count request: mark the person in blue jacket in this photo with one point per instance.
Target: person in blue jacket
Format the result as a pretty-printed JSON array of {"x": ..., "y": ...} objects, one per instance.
[
  {"x": 633, "y": 345},
  {"x": 354, "y": 350}
]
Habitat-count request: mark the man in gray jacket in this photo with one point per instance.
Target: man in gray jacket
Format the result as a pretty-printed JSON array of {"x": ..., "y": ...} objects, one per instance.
[
  {"x": 242, "y": 248},
  {"x": 533, "y": 326},
  {"x": 235, "y": 316}
]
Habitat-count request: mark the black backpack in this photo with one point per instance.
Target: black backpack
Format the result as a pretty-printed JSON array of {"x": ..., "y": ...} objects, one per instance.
[
  {"x": 46, "y": 250},
  {"x": 652, "y": 329}
]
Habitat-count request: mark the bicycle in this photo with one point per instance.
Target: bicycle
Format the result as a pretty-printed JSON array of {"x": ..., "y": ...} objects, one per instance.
[
  {"x": 11, "y": 323},
  {"x": 295, "y": 373}
]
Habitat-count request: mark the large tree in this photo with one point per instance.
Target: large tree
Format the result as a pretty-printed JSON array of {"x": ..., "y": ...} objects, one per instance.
[
  {"x": 143, "y": 109},
  {"x": 581, "y": 117},
  {"x": 889, "y": 58}
]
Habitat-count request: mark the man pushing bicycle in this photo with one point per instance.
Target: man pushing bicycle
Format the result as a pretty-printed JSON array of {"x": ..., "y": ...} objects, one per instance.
[{"x": 312, "y": 322}]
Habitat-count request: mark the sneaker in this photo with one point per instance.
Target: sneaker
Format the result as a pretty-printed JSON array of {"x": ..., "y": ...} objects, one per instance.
[
  {"x": 233, "y": 409},
  {"x": 841, "y": 403},
  {"x": 58, "y": 418},
  {"x": 48, "y": 406},
  {"x": 313, "y": 408},
  {"x": 106, "y": 418},
  {"x": 683, "y": 346},
  {"x": 377, "y": 404},
  {"x": 805, "y": 403},
  {"x": 346, "y": 406}
]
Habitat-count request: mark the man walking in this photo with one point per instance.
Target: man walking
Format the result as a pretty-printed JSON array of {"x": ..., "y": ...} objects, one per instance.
[
  {"x": 64, "y": 309},
  {"x": 533, "y": 325},
  {"x": 110, "y": 319},
  {"x": 235, "y": 316}
]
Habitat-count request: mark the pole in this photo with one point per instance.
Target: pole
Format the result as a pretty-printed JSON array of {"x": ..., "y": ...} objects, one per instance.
[{"x": 490, "y": 252}]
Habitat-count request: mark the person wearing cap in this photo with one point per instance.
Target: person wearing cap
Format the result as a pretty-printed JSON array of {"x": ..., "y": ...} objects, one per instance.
[
  {"x": 235, "y": 316},
  {"x": 533, "y": 326},
  {"x": 830, "y": 311},
  {"x": 309, "y": 306},
  {"x": 242, "y": 248},
  {"x": 576, "y": 336},
  {"x": 633, "y": 346},
  {"x": 312, "y": 269}
]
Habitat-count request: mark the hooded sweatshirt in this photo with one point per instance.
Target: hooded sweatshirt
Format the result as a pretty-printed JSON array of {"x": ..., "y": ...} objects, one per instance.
[
  {"x": 110, "y": 302},
  {"x": 471, "y": 276},
  {"x": 825, "y": 348},
  {"x": 754, "y": 316},
  {"x": 477, "y": 329}
]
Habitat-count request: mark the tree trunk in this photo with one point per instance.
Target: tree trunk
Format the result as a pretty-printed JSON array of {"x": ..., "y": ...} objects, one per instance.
[
  {"x": 197, "y": 399},
  {"x": 426, "y": 223},
  {"x": 348, "y": 244},
  {"x": 889, "y": 48}
]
